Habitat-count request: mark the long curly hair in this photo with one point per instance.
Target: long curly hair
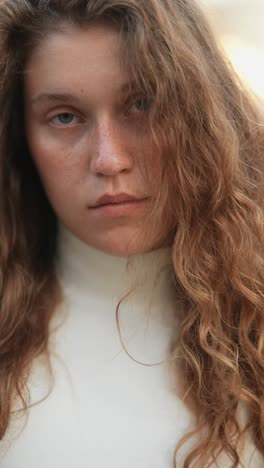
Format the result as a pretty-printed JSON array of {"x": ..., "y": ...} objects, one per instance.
[{"x": 209, "y": 128}]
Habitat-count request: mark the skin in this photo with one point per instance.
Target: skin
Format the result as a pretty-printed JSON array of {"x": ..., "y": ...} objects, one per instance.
[{"x": 92, "y": 144}]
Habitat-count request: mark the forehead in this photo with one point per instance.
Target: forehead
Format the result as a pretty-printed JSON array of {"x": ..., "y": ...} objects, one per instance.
[{"x": 86, "y": 59}]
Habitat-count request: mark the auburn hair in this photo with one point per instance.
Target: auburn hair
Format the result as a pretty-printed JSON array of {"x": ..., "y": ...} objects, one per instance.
[{"x": 209, "y": 128}]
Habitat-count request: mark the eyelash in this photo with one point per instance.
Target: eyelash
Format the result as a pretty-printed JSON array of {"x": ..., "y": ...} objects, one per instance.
[
  {"x": 141, "y": 98},
  {"x": 71, "y": 113},
  {"x": 63, "y": 113}
]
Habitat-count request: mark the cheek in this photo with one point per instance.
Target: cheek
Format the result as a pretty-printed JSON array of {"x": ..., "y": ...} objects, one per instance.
[
  {"x": 59, "y": 169},
  {"x": 152, "y": 168}
]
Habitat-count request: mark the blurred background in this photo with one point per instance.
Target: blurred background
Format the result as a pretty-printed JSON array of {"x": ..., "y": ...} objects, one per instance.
[{"x": 239, "y": 25}]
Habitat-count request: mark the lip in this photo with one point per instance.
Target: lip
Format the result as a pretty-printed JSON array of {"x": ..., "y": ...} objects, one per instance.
[
  {"x": 115, "y": 210},
  {"x": 108, "y": 199},
  {"x": 117, "y": 205}
]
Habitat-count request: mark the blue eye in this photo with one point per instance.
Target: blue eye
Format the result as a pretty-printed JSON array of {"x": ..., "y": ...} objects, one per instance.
[{"x": 64, "y": 118}]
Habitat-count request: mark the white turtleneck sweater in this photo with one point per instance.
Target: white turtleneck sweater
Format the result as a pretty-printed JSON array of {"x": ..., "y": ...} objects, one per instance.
[{"x": 105, "y": 409}]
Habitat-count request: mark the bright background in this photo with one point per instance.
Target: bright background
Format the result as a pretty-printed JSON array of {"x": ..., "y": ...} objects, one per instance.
[{"x": 239, "y": 24}]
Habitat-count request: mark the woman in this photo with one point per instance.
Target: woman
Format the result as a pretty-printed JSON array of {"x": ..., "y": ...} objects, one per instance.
[{"x": 131, "y": 188}]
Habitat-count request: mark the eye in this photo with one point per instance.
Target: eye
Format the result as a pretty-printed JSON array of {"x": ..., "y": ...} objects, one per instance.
[
  {"x": 142, "y": 104},
  {"x": 64, "y": 119}
]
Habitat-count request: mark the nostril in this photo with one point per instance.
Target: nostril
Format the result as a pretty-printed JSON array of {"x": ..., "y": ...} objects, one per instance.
[{"x": 111, "y": 163}]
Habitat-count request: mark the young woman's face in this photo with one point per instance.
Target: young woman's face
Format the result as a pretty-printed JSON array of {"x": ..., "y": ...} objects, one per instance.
[{"x": 88, "y": 138}]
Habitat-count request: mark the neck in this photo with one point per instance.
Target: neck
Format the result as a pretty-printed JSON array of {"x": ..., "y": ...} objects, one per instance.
[
  {"x": 97, "y": 281},
  {"x": 79, "y": 262}
]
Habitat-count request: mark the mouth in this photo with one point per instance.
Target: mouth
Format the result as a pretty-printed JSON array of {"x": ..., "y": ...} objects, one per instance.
[
  {"x": 109, "y": 198},
  {"x": 117, "y": 209}
]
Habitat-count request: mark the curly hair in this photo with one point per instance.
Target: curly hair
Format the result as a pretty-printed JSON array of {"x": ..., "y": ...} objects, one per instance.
[{"x": 209, "y": 128}]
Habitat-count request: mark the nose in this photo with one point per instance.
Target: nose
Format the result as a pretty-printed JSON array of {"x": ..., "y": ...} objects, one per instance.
[{"x": 110, "y": 150}]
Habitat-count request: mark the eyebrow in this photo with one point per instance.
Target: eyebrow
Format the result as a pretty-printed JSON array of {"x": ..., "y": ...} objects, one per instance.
[{"x": 71, "y": 98}]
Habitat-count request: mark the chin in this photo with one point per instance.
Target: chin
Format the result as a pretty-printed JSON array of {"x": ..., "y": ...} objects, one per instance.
[{"x": 120, "y": 241}]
